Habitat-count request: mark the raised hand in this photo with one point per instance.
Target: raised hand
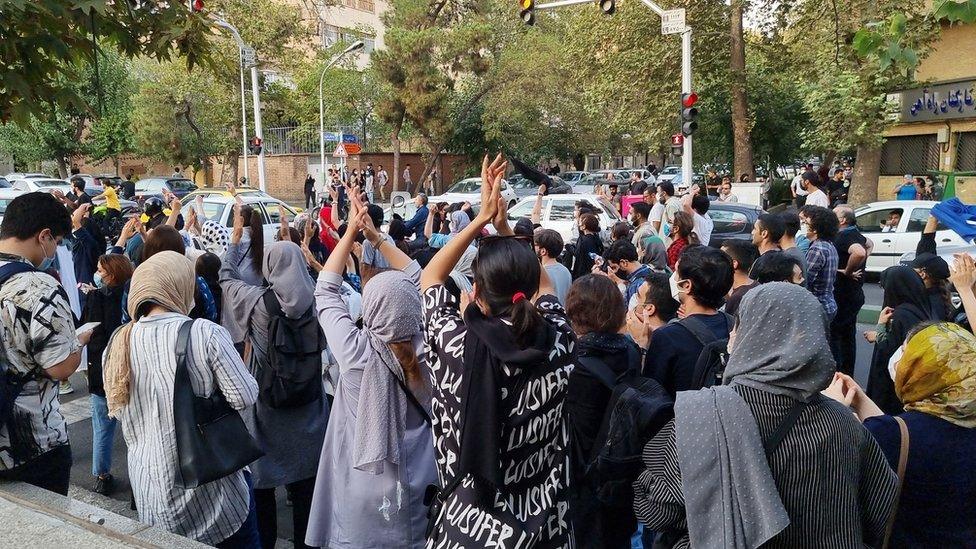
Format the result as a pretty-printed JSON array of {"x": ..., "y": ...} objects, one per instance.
[
  {"x": 963, "y": 272},
  {"x": 369, "y": 229},
  {"x": 238, "y": 231}
]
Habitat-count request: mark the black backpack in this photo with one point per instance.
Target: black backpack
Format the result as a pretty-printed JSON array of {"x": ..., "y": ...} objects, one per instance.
[
  {"x": 293, "y": 376},
  {"x": 710, "y": 366},
  {"x": 11, "y": 384},
  {"x": 637, "y": 409}
]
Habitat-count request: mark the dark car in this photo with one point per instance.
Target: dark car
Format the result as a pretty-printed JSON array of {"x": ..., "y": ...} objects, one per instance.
[
  {"x": 732, "y": 221},
  {"x": 154, "y": 186},
  {"x": 526, "y": 187}
]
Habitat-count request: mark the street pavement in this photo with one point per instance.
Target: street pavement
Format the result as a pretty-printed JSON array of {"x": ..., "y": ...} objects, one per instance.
[{"x": 78, "y": 412}]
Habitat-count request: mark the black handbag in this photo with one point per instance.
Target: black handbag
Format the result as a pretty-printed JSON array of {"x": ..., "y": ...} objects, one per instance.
[{"x": 212, "y": 441}]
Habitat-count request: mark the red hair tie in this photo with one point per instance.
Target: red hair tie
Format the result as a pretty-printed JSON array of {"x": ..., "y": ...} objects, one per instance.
[{"x": 519, "y": 296}]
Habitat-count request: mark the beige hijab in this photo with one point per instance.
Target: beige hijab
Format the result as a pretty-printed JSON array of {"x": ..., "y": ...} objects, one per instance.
[{"x": 167, "y": 279}]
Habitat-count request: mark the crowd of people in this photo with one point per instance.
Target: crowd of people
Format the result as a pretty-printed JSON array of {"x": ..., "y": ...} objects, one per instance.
[{"x": 459, "y": 380}]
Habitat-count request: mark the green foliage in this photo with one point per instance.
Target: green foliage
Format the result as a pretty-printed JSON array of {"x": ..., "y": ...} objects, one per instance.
[
  {"x": 955, "y": 11},
  {"x": 45, "y": 43}
]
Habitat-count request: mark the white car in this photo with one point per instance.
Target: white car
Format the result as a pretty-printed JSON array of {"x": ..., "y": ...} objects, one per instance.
[
  {"x": 221, "y": 210},
  {"x": 7, "y": 195},
  {"x": 558, "y": 212},
  {"x": 20, "y": 175},
  {"x": 895, "y": 227},
  {"x": 36, "y": 183},
  {"x": 668, "y": 173},
  {"x": 469, "y": 190}
]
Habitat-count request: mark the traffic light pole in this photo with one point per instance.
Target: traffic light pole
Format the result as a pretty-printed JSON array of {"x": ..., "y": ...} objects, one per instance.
[{"x": 686, "y": 163}]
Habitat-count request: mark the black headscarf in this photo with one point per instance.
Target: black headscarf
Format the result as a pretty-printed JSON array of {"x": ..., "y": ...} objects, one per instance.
[
  {"x": 531, "y": 174},
  {"x": 903, "y": 286}
]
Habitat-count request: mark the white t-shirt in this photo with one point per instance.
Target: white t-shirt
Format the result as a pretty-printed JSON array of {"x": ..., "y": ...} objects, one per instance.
[
  {"x": 703, "y": 227},
  {"x": 657, "y": 212},
  {"x": 798, "y": 186},
  {"x": 818, "y": 198}
]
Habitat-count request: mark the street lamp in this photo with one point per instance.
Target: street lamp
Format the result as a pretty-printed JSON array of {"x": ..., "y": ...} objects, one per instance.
[{"x": 355, "y": 46}]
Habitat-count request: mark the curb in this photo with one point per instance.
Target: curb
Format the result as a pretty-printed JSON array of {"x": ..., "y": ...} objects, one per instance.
[{"x": 869, "y": 315}]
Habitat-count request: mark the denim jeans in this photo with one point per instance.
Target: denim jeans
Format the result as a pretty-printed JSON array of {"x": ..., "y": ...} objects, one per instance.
[
  {"x": 246, "y": 537},
  {"x": 103, "y": 435}
]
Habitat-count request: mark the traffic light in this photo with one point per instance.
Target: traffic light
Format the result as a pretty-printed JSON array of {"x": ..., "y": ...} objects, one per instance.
[
  {"x": 608, "y": 7},
  {"x": 689, "y": 114},
  {"x": 255, "y": 145},
  {"x": 196, "y": 6},
  {"x": 527, "y": 11}
]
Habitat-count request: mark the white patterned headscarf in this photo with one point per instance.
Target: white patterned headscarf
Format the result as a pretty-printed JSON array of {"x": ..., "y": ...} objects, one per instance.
[
  {"x": 391, "y": 314},
  {"x": 215, "y": 237}
]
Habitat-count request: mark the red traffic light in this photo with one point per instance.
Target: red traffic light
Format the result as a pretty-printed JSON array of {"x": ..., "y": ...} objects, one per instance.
[
  {"x": 689, "y": 99},
  {"x": 256, "y": 141},
  {"x": 677, "y": 140},
  {"x": 196, "y": 5}
]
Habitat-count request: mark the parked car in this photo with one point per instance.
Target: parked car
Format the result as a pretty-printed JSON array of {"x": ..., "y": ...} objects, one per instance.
[
  {"x": 36, "y": 184},
  {"x": 732, "y": 221},
  {"x": 525, "y": 187},
  {"x": 4, "y": 184},
  {"x": 668, "y": 173},
  {"x": 573, "y": 177},
  {"x": 65, "y": 189},
  {"x": 469, "y": 190},
  {"x": 947, "y": 253},
  {"x": 588, "y": 184},
  {"x": 894, "y": 241},
  {"x": 558, "y": 212},
  {"x": 6, "y": 196},
  {"x": 21, "y": 175},
  {"x": 221, "y": 210},
  {"x": 216, "y": 191},
  {"x": 154, "y": 186}
]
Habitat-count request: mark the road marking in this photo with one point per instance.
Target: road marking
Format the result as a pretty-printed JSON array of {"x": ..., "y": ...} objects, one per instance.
[{"x": 75, "y": 411}]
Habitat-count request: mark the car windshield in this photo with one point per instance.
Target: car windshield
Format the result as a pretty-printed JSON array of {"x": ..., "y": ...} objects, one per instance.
[
  {"x": 522, "y": 209},
  {"x": 3, "y": 205},
  {"x": 181, "y": 185},
  {"x": 466, "y": 186},
  {"x": 144, "y": 185},
  {"x": 671, "y": 170}
]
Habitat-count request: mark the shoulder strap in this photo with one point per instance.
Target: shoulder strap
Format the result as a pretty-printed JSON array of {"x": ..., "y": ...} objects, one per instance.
[
  {"x": 783, "y": 428},
  {"x": 601, "y": 371},
  {"x": 271, "y": 303},
  {"x": 182, "y": 345},
  {"x": 902, "y": 464},
  {"x": 14, "y": 268},
  {"x": 412, "y": 399},
  {"x": 698, "y": 329}
]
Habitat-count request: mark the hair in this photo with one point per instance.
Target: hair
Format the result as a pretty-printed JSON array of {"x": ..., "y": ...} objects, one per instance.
[
  {"x": 29, "y": 214},
  {"x": 620, "y": 231},
  {"x": 742, "y": 251},
  {"x": 294, "y": 235},
  {"x": 399, "y": 233},
  {"x": 550, "y": 241},
  {"x": 710, "y": 272},
  {"x": 524, "y": 227},
  {"x": 847, "y": 213},
  {"x": 118, "y": 267},
  {"x": 700, "y": 204},
  {"x": 594, "y": 304},
  {"x": 376, "y": 214},
  {"x": 822, "y": 221},
  {"x": 918, "y": 328},
  {"x": 772, "y": 224},
  {"x": 404, "y": 353},
  {"x": 590, "y": 223},
  {"x": 642, "y": 209},
  {"x": 503, "y": 268},
  {"x": 659, "y": 295},
  {"x": 684, "y": 225},
  {"x": 621, "y": 250},
  {"x": 775, "y": 267},
  {"x": 812, "y": 178},
  {"x": 791, "y": 222},
  {"x": 207, "y": 266},
  {"x": 422, "y": 197},
  {"x": 78, "y": 183},
  {"x": 162, "y": 238},
  {"x": 254, "y": 220},
  {"x": 667, "y": 187}
]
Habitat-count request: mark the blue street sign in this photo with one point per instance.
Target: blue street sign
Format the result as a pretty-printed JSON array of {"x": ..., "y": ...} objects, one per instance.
[
  {"x": 347, "y": 138},
  {"x": 332, "y": 137}
]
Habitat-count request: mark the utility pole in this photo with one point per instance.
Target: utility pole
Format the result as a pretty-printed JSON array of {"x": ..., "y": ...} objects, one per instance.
[{"x": 672, "y": 23}]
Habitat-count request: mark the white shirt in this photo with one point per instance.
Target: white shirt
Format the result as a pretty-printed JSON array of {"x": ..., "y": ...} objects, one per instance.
[
  {"x": 818, "y": 198},
  {"x": 703, "y": 227},
  {"x": 657, "y": 212},
  {"x": 797, "y": 185}
]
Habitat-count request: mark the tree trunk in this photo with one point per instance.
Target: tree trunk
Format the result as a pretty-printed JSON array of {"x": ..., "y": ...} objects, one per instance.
[
  {"x": 395, "y": 141},
  {"x": 741, "y": 140},
  {"x": 231, "y": 161},
  {"x": 867, "y": 170},
  {"x": 435, "y": 154},
  {"x": 115, "y": 161},
  {"x": 364, "y": 120},
  {"x": 62, "y": 167}
]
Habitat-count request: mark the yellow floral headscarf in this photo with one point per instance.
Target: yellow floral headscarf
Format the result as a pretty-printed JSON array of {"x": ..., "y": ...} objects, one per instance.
[{"x": 937, "y": 374}]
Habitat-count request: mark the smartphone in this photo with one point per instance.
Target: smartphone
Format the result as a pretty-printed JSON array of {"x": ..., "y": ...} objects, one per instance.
[
  {"x": 599, "y": 261},
  {"x": 86, "y": 327}
]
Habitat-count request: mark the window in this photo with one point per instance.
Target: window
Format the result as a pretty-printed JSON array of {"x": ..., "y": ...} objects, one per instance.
[
  {"x": 909, "y": 154},
  {"x": 153, "y": 185},
  {"x": 562, "y": 210},
  {"x": 728, "y": 221},
  {"x": 919, "y": 218},
  {"x": 966, "y": 155},
  {"x": 523, "y": 209},
  {"x": 272, "y": 210},
  {"x": 361, "y": 5},
  {"x": 180, "y": 185},
  {"x": 3, "y": 206},
  {"x": 213, "y": 211},
  {"x": 332, "y": 34},
  {"x": 466, "y": 186},
  {"x": 877, "y": 221}
]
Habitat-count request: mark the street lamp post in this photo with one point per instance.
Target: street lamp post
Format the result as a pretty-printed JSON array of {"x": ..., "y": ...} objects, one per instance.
[
  {"x": 686, "y": 164},
  {"x": 243, "y": 117},
  {"x": 357, "y": 45}
]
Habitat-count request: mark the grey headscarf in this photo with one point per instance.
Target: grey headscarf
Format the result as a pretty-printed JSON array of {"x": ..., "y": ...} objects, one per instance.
[
  {"x": 780, "y": 346},
  {"x": 286, "y": 271},
  {"x": 391, "y": 313},
  {"x": 459, "y": 220}
]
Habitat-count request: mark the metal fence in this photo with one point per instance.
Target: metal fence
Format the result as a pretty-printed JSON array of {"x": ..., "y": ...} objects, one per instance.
[
  {"x": 910, "y": 154},
  {"x": 299, "y": 139}
]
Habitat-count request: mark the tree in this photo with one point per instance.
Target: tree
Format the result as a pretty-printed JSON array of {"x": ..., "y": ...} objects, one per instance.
[
  {"x": 741, "y": 123},
  {"x": 49, "y": 42}
]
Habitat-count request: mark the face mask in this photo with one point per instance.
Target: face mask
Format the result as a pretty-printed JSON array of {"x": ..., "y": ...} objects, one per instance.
[
  {"x": 894, "y": 360},
  {"x": 98, "y": 281},
  {"x": 675, "y": 290},
  {"x": 47, "y": 262}
]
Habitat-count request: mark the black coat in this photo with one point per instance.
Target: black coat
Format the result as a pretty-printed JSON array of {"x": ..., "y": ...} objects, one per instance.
[
  {"x": 586, "y": 244},
  {"x": 102, "y": 305}
]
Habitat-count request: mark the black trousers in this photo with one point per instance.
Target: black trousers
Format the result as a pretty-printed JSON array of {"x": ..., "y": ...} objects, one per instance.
[
  {"x": 300, "y": 493},
  {"x": 309, "y": 199},
  {"x": 843, "y": 328},
  {"x": 50, "y": 470}
]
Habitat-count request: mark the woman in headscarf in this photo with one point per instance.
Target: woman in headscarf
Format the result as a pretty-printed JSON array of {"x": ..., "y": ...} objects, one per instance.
[
  {"x": 906, "y": 304},
  {"x": 500, "y": 364},
  {"x": 764, "y": 459},
  {"x": 291, "y": 437},
  {"x": 378, "y": 456},
  {"x": 935, "y": 377},
  {"x": 139, "y": 373}
]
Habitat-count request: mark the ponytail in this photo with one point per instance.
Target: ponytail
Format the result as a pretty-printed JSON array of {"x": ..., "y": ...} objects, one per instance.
[
  {"x": 257, "y": 240},
  {"x": 526, "y": 320},
  {"x": 946, "y": 295},
  {"x": 407, "y": 357}
]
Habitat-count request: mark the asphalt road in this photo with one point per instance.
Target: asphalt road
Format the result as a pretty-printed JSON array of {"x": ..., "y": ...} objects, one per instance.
[{"x": 80, "y": 434}]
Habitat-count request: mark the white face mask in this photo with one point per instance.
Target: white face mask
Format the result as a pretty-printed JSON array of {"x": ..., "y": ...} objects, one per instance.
[
  {"x": 803, "y": 229},
  {"x": 894, "y": 360},
  {"x": 675, "y": 290}
]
